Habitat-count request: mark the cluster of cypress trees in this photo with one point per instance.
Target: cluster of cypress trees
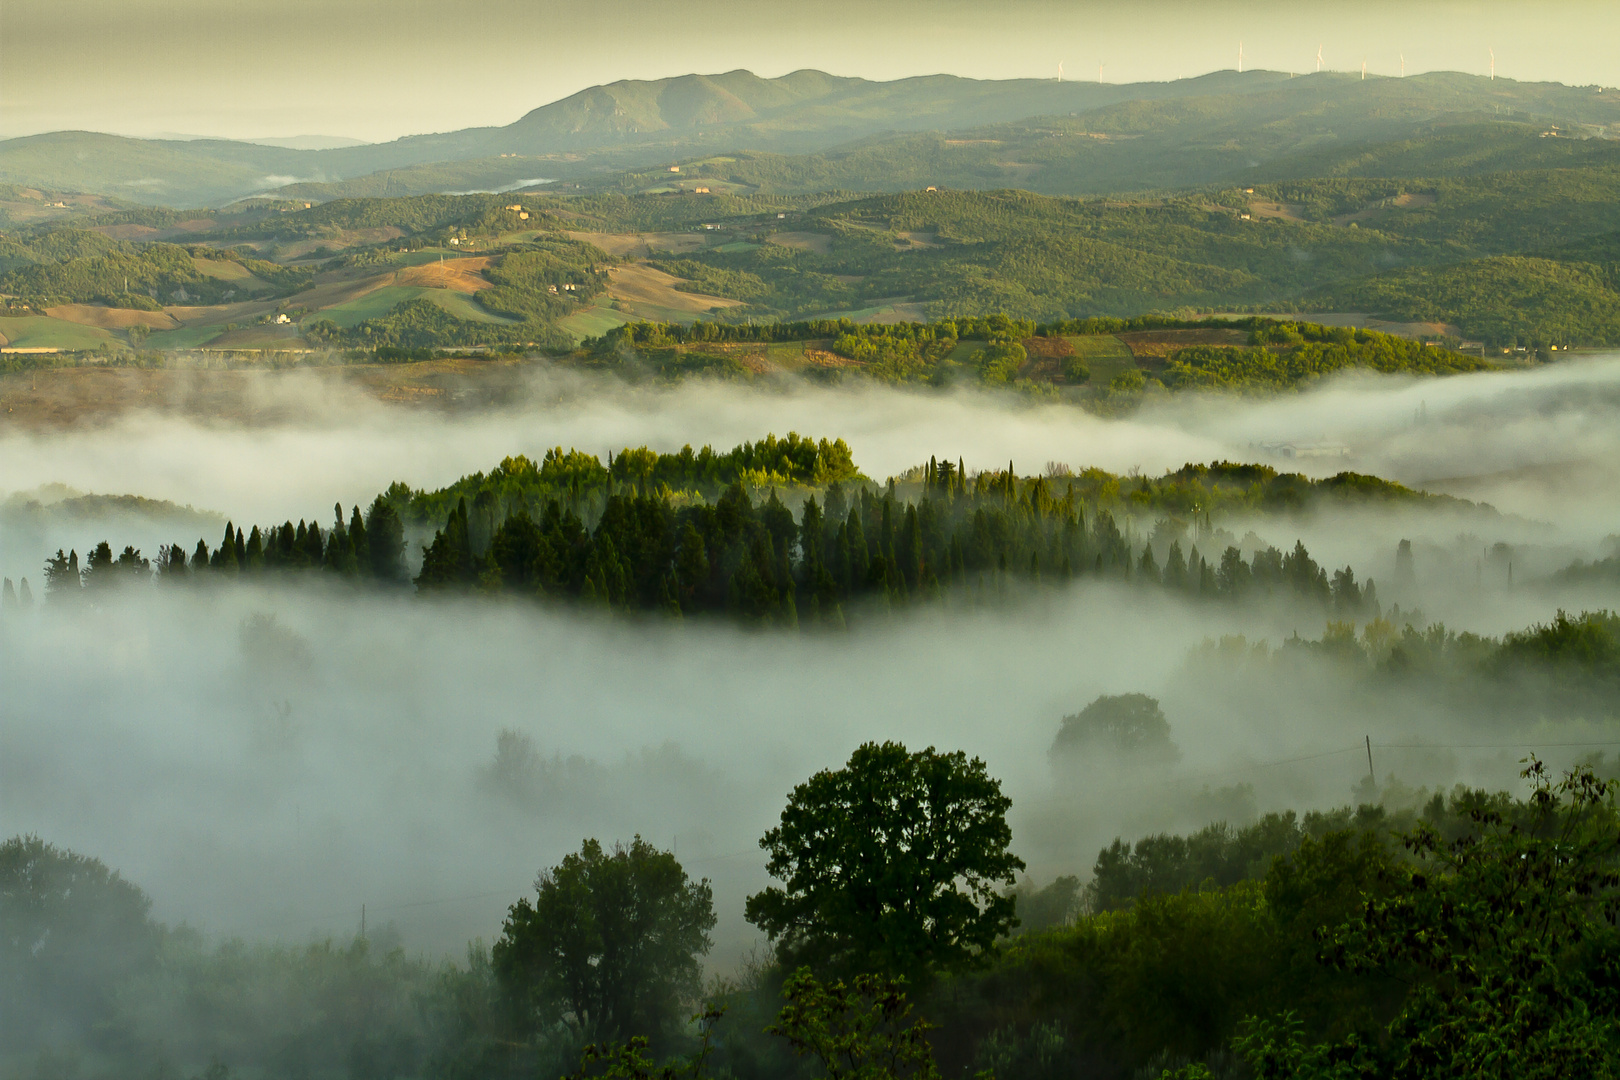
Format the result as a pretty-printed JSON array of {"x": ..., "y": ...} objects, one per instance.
[
  {"x": 755, "y": 561},
  {"x": 643, "y": 534},
  {"x": 369, "y": 547}
]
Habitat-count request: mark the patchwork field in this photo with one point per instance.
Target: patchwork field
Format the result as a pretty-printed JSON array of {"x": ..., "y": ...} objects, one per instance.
[
  {"x": 44, "y": 332},
  {"x": 592, "y": 321},
  {"x": 1151, "y": 349},
  {"x": 112, "y": 318},
  {"x": 652, "y": 294}
]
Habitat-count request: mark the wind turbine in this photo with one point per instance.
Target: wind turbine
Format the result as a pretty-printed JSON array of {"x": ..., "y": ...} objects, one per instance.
[
  {"x": 1240, "y": 58},
  {"x": 1099, "y": 72},
  {"x": 1403, "y": 65},
  {"x": 1060, "y": 71},
  {"x": 1493, "y": 65},
  {"x": 1319, "y": 58},
  {"x": 1363, "y": 69}
]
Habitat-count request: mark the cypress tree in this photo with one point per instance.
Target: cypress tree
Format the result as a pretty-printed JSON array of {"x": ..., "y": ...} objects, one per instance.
[
  {"x": 911, "y": 550},
  {"x": 8, "y": 596},
  {"x": 358, "y": 542},
  {"x": 25, "y": 595},
  {"x": 860, "y": 558},
  {"x": 254, "y": 559},
  {"x": 1175, "y": 568},
  {"x": 1147, "y": 571},
  {"x": 385, "y": 536},
  {"x": 811, "y": 543},
  {"x": 339, "y": 556},
  {"x": 224, "y": 559},
  {"x": 447, "y": 563},
  {"x": 314, "y": 546},
  {"x": 199, "y": 559}
]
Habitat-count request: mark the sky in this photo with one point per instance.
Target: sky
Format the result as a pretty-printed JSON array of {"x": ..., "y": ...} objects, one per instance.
[{"x": 380, "y": 69}]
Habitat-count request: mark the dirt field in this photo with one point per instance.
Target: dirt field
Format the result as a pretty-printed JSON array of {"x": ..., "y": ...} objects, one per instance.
[
  {"x": 126, "y": 232},
  {"x": 1280, "y": 210},
  {"x": 642, "y": 245},
  {"x": 820, "y": 243},
  {"x": 1410, "y": 200},
  {"x": 637, "y": 283},
  {"x": 113, "y": 318},
  {"x": 901, "y": 312},
  {"x": 1152, "y": 348},
  {"x": 1046, "y": 356},
  {"x": 461, "y": 275}
]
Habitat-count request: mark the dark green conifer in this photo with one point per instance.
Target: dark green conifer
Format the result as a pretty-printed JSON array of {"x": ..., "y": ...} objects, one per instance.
[
  {"x": 385, "y": 536},
  {"x": 358, "y": 543}
]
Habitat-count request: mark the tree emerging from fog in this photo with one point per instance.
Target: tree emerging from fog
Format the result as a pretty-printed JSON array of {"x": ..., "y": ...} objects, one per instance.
[
  {"x": 894, "y": 864},
  {"x": 610, "y": 945},
  {"x": 1117, "y": 728},
  {"x": 70, "y": 931}
]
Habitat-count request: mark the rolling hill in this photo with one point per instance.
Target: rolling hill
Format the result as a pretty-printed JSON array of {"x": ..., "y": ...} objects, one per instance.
[{"x": 1091, "y": 137}]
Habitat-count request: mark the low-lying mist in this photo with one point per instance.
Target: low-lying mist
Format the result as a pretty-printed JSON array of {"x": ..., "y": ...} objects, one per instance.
[
  {"x": 264, "y": 761},
  {"x": 1485, "y": 436},
  {"x": 264, "y": 764}
]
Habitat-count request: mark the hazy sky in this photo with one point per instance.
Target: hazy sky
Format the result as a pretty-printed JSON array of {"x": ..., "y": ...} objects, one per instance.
[{"x": 377, "y": 69}]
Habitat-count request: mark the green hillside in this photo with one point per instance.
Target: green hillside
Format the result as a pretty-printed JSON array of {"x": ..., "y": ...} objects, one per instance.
[{"x": 958, "y": 253}]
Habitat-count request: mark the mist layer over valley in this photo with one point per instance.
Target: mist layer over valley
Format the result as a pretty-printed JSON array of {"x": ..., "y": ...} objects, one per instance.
[
  {"x": 265, "y": 761},
  {"x": 1533, "y": 444}
]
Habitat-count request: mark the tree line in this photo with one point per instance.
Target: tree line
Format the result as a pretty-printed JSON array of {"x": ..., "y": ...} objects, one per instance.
[
  {"x": 369, "y": 548},
  {"x": 1281, "y": 354}
]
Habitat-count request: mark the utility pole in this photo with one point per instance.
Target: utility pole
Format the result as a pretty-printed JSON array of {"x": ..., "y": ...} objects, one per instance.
[
  {"x": 363, "y": 907},
  {"x": 1370, "y": 774}
]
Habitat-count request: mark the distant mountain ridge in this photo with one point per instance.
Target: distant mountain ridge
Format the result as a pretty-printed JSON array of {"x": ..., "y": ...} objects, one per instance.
[{"x": 636, "y": 123}]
